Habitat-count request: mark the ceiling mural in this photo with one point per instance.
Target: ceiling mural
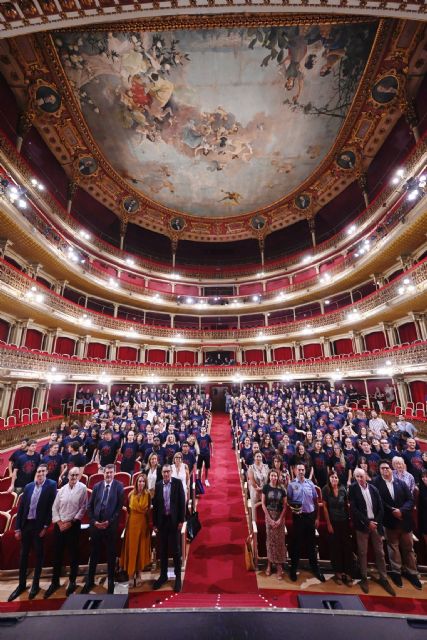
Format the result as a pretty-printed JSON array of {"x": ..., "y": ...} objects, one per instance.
[{"x": 217, "y": 122}]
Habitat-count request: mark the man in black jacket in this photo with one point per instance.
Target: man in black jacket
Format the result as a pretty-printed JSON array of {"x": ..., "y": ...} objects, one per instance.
[
  {"x": 32, "y": 521},
  {"x": 104, "y": 510},
  {"x": 398, "y": 507},
  {"x": 168, "y": 518},
  {"x": 367, "y": 512}
]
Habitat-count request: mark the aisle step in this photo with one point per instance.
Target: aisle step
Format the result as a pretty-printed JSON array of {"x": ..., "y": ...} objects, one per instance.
[{"x": 212, "y": 601}]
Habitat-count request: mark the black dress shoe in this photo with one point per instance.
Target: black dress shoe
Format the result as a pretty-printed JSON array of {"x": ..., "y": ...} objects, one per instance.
[
  {"x": 160, "y": 582},
  {"x": 414, "y": 580},
  {"x": 51, "y": 589},
  {"x": 396, "y": 579},
  {"x": 387, "y": 586},
  {"x": 87, "y": 588},
  {"x": 33, "y": 591},
  {"x": 110, "y": 589},
  {"x": 319, "y": 576},
  {"x": 71, "y": 588},
  {"x": 15, "y": 594},
  {"x": 177, "y": 586},
  {"x": 363, "y": 584},
  {"x": 293, "y": 575}
]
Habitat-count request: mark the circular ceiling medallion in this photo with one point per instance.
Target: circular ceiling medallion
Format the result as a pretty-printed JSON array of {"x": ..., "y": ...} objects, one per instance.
[
  {"x": 386, "y": 89},
  {"x": 303, "y": 201},
  {"x": 87, "y": 166},
  {"x": 346, "y": 159},
  {"x": 131, "y": 204},
  {"x": 47, "y": 99},
  {"x": 258, "y": 222},
  {"x": 177, "y": 223}
]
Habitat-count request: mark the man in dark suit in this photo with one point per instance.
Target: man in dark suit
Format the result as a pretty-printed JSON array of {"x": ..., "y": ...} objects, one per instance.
[
  {"x": 367, "y": 512},
  {"x": 398, "y": 507},
  {"x": 33, "y": 518},
  {"x": 104, "y": 509},
  {"x": 168, "y": 518}
]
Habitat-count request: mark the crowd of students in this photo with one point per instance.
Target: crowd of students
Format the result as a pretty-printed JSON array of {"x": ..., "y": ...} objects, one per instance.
[
  {"x": 148, "y": 430},
  {"x": 302, "y": 448}
]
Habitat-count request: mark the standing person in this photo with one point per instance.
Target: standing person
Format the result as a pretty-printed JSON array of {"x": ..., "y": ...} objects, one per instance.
[
  {"x": 67, "y": 512},
  {"x": 274, "y": 507},
  {"x": 398, "y": 509},
  {"x": 168, "y": 518},
  {"x": 367, "y": 512},
  {"x": 302, "y": 498},
  {"x": 130, "y": 452},
  {"x": 24, "y": 468},
  {"x": 136, "y": 549},
  {"x": 206, "y": 452},
  {"x": 15, "y": 455},
  {"x": 104, "y": 509},
  {"x": 422, "y": 506},
  {"x": 33, "y": 518},
  {"x": 180, "y": 471},
  {"x": 338, "y": 526},
  {"x": 257, "y": 478}
]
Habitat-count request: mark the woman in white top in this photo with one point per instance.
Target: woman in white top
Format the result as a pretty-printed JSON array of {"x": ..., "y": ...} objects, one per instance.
[
  {"x": 180, "y": 471},
  {"x": 257, "y": 478},
  {"x": 153, "y": 472}
]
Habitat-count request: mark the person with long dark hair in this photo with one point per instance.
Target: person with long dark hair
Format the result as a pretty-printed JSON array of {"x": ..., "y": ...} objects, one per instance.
[{"x": 338, "y": 526}]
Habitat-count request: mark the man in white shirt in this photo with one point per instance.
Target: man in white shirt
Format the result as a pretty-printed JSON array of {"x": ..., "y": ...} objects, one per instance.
[
  {"x": 67, "y": 512},
  {"x": 367, "y": 513}
]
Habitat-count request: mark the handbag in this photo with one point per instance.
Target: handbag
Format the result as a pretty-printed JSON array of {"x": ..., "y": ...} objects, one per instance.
[
  {"x": 193, "y": 526},
  {"x": 249, "y": 559},
  {"x": 200, "y": 490}
]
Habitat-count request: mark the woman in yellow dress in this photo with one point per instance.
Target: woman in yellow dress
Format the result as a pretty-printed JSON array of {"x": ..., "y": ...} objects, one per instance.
[{"x": 136, "y": 549}]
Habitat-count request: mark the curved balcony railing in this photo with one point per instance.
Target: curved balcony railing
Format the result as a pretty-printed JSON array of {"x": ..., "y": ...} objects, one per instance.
[
  {"x": 61, "y": 226},
  {"x": 412, "y": 283},
  {"x": 385, "y": 363}
]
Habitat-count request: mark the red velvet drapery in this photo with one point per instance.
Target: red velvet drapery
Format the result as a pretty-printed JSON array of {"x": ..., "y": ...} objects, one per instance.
[
  {"x": 23, "y": 398},
  {"x": 254, "y": 355},
  {"x": 407, "y": 332},
  {"x": 375, "y": 340},
  {"x": 419, "y": 391},
  {"x": 96, "y": 350},
  {"x": 127, "y": 353},
  {"x": 156, "y": 355},
  {"x": 65, "y": 346},
  {"x": 33, "y": 339},
  {"x": 343, "y": 346},
  {"x": 313, "y": 350}
]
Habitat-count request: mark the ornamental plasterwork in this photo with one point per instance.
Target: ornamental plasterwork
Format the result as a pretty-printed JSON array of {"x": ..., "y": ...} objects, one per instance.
[{"x": 64, "y": 129}]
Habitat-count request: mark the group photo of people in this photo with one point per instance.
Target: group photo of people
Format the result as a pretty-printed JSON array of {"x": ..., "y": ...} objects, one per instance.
[
  {"x": 130, "y": 466},
  {"x": 330, "y": 481}
]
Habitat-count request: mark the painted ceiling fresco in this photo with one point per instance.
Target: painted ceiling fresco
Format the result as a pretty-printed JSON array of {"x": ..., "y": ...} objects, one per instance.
[{"x": 217, "y": 122}]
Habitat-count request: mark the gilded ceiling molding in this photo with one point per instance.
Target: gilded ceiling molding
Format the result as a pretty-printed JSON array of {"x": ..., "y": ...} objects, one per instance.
[{"x": 25, "y": 16}]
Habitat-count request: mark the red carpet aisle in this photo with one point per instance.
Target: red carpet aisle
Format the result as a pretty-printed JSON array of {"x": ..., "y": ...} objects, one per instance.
[{"x": 216, "y": 560}]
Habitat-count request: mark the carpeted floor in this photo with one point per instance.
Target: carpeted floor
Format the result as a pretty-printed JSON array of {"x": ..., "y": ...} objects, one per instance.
[{"x": 216, "y": 561}]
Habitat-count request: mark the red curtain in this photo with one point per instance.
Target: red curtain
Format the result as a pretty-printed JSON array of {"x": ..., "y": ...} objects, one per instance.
[
  {"x": 254, "y": 355},
  {"x": 343, "y": 346},
  {"x": 419, "y": 391},
  {"x": 33, "y": 339},
  {"x": 185, "y": 356},
  {"x": 283, "y": 353},
  {"x": 23, "y": 398},
  {"x": 313, "y": 350},
  {"x": 127, "y": 353},
  {"x": 4, "y": 330},
  {"x": 65, "y": 346},
  {"x": 96, "y": 350},
  {"x": 375, "y": 340},
  {"x": 59, "y": 392},
  {"x": 156, "y": 355},
  {"x": 407, "y": 332}
]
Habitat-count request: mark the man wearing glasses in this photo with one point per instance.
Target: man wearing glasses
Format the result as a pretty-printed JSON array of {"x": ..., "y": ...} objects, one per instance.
[
  {"x": 67, "y": 511},
  {"x": 168, "y": 518}
]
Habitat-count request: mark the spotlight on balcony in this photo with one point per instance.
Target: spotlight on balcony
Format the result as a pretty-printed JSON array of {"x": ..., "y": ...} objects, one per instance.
[
  {"x": 104, "y": 378},
  {"x": 113, "y": 283},
  {"x": 84, "y": 234},
  {"x": 86, "y": 321},
  {"x": 189, "y": 300},
  {"x": 256, "y": 298},
  {"x": 351, "y": 230},
  {"x": 130, "y": 262}
]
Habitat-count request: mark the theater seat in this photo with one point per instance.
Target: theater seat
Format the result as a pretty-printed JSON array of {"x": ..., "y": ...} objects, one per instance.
[
  {"x": 7, "y": 500},
  {"x": 93, "y": 480}
]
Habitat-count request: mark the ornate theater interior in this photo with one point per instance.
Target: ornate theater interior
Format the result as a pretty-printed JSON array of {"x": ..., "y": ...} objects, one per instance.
[{"x": 212, "y": 195}]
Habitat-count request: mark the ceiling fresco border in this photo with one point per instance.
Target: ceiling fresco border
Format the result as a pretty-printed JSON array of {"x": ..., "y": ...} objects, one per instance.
[
  {"x": 30, "y": 16},
  {"x": 278, "y": 215},
  {"x": 293, "y": 213}
]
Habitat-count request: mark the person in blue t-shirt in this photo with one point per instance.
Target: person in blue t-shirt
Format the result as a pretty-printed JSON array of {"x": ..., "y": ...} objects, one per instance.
[
  {"x": 205, "y": 453},
  {"x": 107, "y": 449},
  {"x": 25, "y": 468},
  {"x": 130, "y": 452},
  {"x": 16, "y": 454},
  {"x": 53, "y": 461}
]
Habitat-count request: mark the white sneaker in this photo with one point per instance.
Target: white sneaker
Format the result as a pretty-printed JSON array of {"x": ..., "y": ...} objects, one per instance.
[{"x": 207, "y": 483}]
